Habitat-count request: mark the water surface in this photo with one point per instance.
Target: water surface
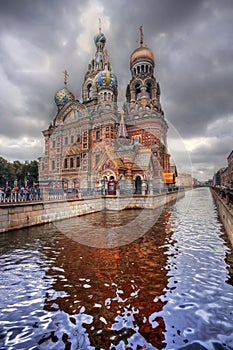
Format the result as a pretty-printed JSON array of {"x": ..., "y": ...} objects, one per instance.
[{"x": 168, "y": 289}]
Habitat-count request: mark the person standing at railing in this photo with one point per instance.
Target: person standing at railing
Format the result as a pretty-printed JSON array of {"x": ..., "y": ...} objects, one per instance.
[
  {"x": 38, "y": 192},
  {"x": 1, "y": 195},
  {"x": 8, "y": 193},
  {"x": 15, "y": 192},
  {"x": 26, "y": 193}
]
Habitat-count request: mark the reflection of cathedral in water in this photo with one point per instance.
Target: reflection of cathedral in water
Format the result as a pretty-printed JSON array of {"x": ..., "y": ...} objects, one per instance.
[
  {"x": 90, "y": 143},
  {"x": 121, "y": 289}
]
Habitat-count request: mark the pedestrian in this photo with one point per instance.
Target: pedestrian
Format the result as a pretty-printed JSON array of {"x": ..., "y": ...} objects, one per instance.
[
  {"x": 38, "y": 192},
  {"x": 8, "y": 193},
  {"x": 1, "y": 195},
  {"x": 16, "y": 193}
]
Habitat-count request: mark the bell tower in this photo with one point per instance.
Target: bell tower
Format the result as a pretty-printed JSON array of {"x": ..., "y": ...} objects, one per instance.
[
  {"x": 143, "y": 88},
  {"x": 144, "y": 116},
  {"x": 100, "y": 84}
]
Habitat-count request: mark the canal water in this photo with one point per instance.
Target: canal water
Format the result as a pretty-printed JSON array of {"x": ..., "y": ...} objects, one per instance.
[{"x": 170, "y": 288}]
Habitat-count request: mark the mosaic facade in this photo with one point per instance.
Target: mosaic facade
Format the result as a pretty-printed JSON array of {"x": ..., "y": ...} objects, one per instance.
[{"x": 91, "y": 143}]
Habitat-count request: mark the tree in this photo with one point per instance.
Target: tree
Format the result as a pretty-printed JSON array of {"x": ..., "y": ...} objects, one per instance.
[{"x": 18, "y": 171}]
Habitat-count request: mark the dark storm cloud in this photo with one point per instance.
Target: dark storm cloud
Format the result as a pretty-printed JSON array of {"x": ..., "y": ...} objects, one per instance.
[{"x": 191, "y": 41}]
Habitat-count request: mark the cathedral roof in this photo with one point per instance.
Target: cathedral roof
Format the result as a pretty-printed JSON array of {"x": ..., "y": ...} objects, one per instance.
[
  {"x": 100, "y": 38},
  {"x": 63, "y": 96},
  {"x": 105, "y": 78},
  {"x": 141, "y": 53}
]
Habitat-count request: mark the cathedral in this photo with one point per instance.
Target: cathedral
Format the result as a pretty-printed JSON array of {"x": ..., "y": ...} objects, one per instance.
[{"x": 94, "y": 147}]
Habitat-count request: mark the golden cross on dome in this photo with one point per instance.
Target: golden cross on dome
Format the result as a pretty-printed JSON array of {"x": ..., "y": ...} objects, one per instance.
[
  {"x": 66, "y": 75},
  {"x": 141, "y": 36},
  {"x": 99, "y": 25}
]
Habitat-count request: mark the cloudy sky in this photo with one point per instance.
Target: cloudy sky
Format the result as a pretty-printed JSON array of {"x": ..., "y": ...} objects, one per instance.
[{"x": 192, "y": 43}]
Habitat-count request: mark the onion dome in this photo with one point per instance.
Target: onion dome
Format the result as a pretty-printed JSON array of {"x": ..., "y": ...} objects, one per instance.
[
  {"x": 105, "y": 78},
  {"x": 63, "y": 96},
  {"x": 100, "y": 39},
  {"x": 141, "y": 53}
]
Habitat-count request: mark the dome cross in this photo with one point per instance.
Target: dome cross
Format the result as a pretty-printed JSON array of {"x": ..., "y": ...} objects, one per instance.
[
  {"x": 66, "y": 75},
  {"x": 141, "y": 36}
]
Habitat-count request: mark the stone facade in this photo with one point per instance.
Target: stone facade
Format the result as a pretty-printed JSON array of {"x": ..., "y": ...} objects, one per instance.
[
  {"x": 230, "y": 168},
  {"x": 90, "y": 143}
]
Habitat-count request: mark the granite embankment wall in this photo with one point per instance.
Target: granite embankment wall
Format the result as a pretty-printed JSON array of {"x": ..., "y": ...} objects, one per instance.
[
  {"x": 225, "y": 210},
  {"x": 24, "y": 214}
]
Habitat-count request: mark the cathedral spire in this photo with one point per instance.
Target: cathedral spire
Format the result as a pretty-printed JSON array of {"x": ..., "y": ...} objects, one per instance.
[
  {"x": 100, "y": 25},
  {"x": 122, "y": 131}
]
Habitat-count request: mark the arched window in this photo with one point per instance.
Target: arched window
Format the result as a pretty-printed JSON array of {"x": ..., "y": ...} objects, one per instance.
[
  {"x": 138, "y": 69},
  {"x": 78, "y": 162},
  {"x": 71, "y": 162},
  {"x": 148, "y": 90},
  {"x": 138, "y": 91},
  {"x": 89, "y": 91},
  {"x": 142, "y": 68},
  {"x": 65, "y": 163},
  {"x": 138, "y": 185},
  {"x": 105, "y": 96}
]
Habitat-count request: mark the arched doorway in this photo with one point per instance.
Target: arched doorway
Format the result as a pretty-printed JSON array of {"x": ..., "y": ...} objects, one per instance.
[{"x": 138, "y": 185}]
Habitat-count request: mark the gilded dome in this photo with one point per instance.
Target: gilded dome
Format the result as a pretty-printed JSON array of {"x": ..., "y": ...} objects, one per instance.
[
  {"x": 142, "y": 53},
  {"x": 63, "y": 96},
  {"x": 105, "y": 78}
]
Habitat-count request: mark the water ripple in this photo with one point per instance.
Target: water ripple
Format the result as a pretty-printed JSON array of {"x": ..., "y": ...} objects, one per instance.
[{"x": 168, "y": 289}]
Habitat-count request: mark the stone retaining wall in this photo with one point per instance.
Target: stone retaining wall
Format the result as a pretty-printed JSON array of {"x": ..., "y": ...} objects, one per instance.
[
  {"x": 225, "y": 211},
  {"x": 146, "y": 202},
  {"x": 23, "y": 214}
]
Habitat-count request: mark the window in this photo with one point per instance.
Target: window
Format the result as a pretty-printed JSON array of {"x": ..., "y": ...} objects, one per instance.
[
  {"x": 78, "y": 139},
  {"x": 97, "y": 135},
  {"x": 148, "y": 90},
  {"x": 97, "y": 158},
  {"x": 65, "y": 163},
  {"x": 72, "y": 139},
  {"x": 54, "y": 144},
  {"x": 53, "y": 164},
  {"x": 66, "y": 140},
  {"x": 78, "y": 162},
  {"x": 105, "y": 96},
  {"x": 138, "y": 91},
  {"x": 89, "y": 91},
  {"x": 71, "y": 162}
]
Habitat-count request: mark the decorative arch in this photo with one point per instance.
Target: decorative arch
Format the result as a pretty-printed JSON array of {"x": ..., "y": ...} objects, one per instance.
[
  {"x": 107, "y": 175},
  {"x": 136, "y": 175},
  {"x": 89, "y": 91},
  {"x": 138, "y": 184},
  {"x": 72, "y": 106},
  {"x": 135, "y": 82}
]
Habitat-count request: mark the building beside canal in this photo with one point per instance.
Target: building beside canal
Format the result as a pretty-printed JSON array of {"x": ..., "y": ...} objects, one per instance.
[
  {"x": 224, "y": 176},
  {"x": 91, "y": 144}
]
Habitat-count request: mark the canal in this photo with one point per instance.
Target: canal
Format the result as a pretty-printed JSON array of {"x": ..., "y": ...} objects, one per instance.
[{"x": 135, "y": 279}]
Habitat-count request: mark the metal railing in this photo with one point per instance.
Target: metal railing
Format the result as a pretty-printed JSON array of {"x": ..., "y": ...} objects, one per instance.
[{"x": 61, "y": 194}]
